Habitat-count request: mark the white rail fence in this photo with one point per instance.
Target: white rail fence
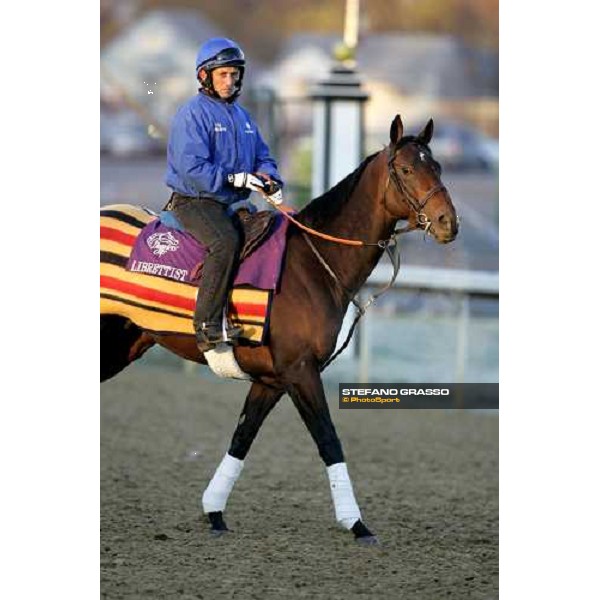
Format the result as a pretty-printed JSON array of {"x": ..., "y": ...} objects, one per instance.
[{"x": 464, "y": 284}]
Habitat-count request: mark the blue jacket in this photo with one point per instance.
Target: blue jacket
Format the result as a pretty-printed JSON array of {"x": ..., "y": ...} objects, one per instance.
[{"x": 209, "y": 139}]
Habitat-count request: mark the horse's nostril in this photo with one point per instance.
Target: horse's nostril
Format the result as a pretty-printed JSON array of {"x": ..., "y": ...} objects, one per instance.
[{"x": 442, "y": 219}]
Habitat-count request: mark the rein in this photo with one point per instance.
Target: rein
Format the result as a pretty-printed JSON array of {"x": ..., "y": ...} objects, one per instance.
[
  {"x": 393, "y": 251},
  {"x": 417, "y": 205},
  {"x": 324, "y": 236},
  {"x": 390, "y": 245}
]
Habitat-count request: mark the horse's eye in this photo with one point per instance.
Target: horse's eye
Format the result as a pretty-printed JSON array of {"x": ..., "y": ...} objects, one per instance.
[{"x": 406, "y": 170}]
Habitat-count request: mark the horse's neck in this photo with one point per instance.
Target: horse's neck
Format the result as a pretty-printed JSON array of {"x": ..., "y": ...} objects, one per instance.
[{"x": 363, "y": 217}]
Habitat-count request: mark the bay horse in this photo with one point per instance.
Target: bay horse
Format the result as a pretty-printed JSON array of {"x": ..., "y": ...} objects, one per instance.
[{"x": 319, "y": 278}]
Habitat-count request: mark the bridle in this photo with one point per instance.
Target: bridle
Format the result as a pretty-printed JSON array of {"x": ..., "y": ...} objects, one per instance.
[
  {"x": 416, "y": 204},
  {"x": 391, "y": 245},
  {"x": 422, "y": 221}
]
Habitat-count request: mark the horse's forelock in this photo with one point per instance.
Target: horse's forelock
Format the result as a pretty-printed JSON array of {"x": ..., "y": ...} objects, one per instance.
[{"x": 414, "y": 139}]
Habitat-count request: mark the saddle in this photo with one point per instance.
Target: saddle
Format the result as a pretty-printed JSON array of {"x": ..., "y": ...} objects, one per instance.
[
  {"x": 163, "y": 248},
  {"x": 254, "y": 229}
]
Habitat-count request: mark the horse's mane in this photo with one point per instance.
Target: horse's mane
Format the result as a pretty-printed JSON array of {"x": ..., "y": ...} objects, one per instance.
[{"x": 321, "y": 210}]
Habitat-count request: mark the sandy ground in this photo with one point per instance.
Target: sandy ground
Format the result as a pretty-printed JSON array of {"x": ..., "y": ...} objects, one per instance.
[{"x": 426, "y": 482}]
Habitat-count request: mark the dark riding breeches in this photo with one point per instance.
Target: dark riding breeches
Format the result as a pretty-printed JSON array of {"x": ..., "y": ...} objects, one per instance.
[{"x": 207, "y": 220}]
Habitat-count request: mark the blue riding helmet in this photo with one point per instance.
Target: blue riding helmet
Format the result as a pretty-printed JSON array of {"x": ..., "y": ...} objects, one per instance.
[{"x": 220, "y": 52}]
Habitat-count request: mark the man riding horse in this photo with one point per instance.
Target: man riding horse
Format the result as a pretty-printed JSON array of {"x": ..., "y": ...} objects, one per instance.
[{"x": 216, "y": 157}]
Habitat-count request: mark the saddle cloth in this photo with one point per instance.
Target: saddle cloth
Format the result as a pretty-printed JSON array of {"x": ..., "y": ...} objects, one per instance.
[
  {"x": 165, "y": 304},
  {"x": 175, "y": 254}
]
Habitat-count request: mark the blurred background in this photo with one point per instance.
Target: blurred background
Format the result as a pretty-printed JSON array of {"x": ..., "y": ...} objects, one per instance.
[{"x": 419, "y": 58}]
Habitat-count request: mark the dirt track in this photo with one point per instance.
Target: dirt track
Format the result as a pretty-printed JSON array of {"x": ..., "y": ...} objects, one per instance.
[{"x": 426, "y": 482}]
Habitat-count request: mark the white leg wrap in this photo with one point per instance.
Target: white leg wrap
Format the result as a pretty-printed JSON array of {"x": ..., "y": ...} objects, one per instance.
[
  {"x": 220, "y": 486},
  {"x": 346, "y": 508}
]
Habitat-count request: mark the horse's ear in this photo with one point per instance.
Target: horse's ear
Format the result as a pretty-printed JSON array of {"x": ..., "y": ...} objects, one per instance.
[
  {"x": 396, "y": 130},
  {"x": 427, "y": 132}
]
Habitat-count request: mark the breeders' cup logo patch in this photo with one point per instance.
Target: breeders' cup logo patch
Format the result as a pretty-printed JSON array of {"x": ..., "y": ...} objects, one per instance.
[
  {"x": 249, "y": 128},
  {"x": 161, "y": 243}
]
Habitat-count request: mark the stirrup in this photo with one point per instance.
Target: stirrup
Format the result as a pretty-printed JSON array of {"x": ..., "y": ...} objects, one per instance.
[
  {"x": 233, "y": 332},
  {"x": 211, "y": 334}
]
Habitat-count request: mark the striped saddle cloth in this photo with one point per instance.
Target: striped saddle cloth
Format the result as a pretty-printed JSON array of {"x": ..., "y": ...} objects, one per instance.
[{"x": 159, "y": 294}]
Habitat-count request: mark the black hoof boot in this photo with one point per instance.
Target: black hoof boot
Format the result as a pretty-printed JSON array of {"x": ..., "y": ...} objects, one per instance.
[
  {"x": 362, "y": 535},
  {"x": 217, "y": 524}
]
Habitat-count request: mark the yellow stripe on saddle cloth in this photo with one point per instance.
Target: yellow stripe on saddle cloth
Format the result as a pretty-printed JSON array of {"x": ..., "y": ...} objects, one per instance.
[{"x": 156, "y": 304}]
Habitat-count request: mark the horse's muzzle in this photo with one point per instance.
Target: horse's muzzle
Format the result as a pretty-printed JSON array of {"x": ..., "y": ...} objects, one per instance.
[{"x": 445, "y": 231}]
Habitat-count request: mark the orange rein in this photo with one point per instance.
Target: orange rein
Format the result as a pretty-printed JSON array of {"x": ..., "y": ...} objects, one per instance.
[{"x": 285, "y": 210}]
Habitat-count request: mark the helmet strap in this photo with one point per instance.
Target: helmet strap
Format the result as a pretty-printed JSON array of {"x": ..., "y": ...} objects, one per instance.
[{"x": 206, "y": 83}]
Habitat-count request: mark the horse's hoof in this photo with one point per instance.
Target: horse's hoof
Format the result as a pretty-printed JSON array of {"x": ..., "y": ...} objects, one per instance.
[
  {"x": 367, "y": 540},
  {"x": 217, "y": 523},
  {"x": 219, "y": 532},
  {"x": 362, "y": 535}
]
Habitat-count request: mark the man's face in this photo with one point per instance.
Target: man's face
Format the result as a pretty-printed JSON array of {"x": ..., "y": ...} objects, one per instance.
[{"x": 224, "y": 80}]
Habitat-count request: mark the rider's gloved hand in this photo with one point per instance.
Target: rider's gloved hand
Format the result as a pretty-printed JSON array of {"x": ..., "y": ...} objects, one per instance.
[
  {"x": 246, "y": 180},
  {"x": 276, "y": 197},
  {"x": 271, "y": 187},
  {"x": 273, "y": 191}
]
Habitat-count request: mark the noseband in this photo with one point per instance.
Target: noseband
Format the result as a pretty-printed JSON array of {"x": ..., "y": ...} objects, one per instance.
[{"x": 416, "y": 204}]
